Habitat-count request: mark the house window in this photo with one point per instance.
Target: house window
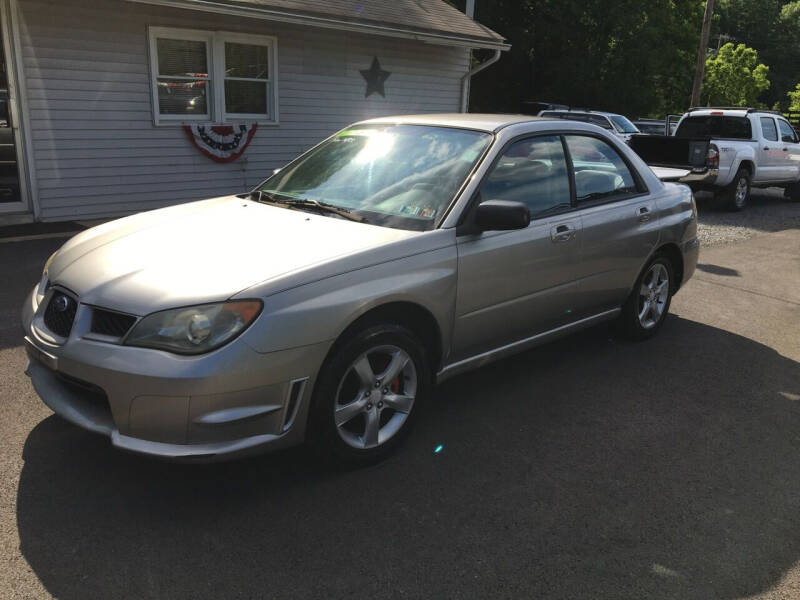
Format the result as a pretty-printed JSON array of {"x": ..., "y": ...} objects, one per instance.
[{"x": 212, "y": 76}]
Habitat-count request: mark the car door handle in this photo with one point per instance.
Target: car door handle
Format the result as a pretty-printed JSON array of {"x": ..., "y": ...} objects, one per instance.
[
  {"x": 562, "y": 233},
  {"x": 644, "y": 214},
  {"x": 767, "y": 148}
]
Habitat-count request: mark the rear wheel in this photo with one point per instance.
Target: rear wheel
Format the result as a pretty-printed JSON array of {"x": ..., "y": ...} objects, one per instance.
[
  {"x": 368, "y": 394},
  {"x": 792, "y": 192},
  {"x": 736, "y": 195},
  {"x": 646, "y": 308}
]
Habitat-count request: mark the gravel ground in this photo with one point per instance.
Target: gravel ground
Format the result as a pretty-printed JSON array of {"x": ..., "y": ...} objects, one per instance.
[{"x": 767, "y": 212}]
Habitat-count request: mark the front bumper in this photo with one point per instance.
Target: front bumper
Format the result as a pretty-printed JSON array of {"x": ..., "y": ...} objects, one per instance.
[{"x": 230, "y": 402}]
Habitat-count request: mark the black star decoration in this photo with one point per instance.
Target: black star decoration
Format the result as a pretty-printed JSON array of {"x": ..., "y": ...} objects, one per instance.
[{"x": 375, "y": 78}]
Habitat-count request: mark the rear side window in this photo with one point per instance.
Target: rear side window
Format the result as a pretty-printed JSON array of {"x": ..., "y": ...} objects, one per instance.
[
  {"x": 600, "y": 172},
  {"x": 532, "y": 171},
  {"x": 768, "y": 129},
  {"x": 716, "y": 126},
  {"x": 788, "y": 134}
]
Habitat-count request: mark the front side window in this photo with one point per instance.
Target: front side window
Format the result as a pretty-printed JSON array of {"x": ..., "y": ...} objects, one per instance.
[
  {"x": 532, "y": 171},
  {"x": 787, "y": 132},
  {"x": 402, "y": 176},
  {"x": 768, "y": 129},
  {"x": 600, "y": 172},
  {"x": 211, "y": 76}
]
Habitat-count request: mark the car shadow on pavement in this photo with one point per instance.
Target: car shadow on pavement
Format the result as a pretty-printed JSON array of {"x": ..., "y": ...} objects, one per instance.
[{"x": 589, "y": 468}]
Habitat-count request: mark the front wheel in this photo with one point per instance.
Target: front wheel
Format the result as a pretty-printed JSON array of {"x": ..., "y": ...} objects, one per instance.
[
  {"x": 644, "y": 312},
  {"x": 368, "y": 394}
]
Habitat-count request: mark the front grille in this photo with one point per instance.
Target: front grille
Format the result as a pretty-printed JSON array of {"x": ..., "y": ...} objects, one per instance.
[
  {"x": 60, "y": 313},
  {"x": 114, "y": 324}
]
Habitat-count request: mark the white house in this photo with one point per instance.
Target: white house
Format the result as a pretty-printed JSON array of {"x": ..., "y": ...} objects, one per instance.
[{"x": 119, "y": 106}]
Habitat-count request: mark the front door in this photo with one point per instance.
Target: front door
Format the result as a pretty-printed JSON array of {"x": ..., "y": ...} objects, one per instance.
[
  {"x": 514, "y": 284},
  {"x": 790, "y": 149}
]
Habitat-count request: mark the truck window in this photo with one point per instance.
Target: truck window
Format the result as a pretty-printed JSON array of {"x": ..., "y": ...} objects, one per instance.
[
  {"x": 712, "y": 126},
  {"x": 787, "y": 132},
  {"x": 768, "y": 129}
]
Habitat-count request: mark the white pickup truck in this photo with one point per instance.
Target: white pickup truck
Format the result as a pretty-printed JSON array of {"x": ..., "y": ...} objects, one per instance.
[{"x": 727, "y": 151}]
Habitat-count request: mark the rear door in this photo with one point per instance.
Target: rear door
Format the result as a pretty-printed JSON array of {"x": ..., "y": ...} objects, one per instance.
[
  {"x": 514, "y": 284},
  {"x": 770, "y": 153},
  {"x": 619, "y": 223}
]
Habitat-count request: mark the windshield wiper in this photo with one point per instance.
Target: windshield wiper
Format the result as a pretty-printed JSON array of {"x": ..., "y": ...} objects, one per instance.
[{"x": 262, "y": 196}]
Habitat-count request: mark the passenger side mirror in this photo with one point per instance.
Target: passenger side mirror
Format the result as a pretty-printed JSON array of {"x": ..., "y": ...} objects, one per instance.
[
  {"x": 789, "y": 139},
  {"x": 502, "y": 215}
]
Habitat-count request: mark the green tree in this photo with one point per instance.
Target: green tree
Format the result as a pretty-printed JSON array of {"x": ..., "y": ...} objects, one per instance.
[
  {"x": 734, "y": 77},
  {"x": 794, "y": 98}
]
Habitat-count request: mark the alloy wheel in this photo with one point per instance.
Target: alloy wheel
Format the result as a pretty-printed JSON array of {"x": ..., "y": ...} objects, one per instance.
[
  {"x": 653, "y": 295},
  {"x": 741, "y": 192},
  {"x": 375, "y": 396}
]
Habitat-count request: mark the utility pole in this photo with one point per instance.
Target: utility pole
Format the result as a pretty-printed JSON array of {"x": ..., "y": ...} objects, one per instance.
[{"x": 701, "y": 54}]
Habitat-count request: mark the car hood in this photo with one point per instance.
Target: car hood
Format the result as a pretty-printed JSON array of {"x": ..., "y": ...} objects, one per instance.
[{"x": 203, "y": 252}]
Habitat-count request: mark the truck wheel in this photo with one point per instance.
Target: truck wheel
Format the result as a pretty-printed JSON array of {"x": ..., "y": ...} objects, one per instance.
[
  {"x": 792, "y": 192},
  {"x": 737, "y": 193}
]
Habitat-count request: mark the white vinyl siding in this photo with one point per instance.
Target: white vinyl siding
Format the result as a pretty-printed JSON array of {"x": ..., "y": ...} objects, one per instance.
[{"x": 97, "y": 152}]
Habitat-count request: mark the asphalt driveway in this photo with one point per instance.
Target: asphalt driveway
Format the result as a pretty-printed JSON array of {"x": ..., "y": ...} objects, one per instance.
[{"x": 589, "y": 468}]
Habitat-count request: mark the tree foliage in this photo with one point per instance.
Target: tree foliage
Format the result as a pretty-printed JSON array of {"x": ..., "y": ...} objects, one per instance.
[
  {"x": 630, "y": 56},
  {"x": 794, "y": 98},
  {"x": 734, "y": 77}
]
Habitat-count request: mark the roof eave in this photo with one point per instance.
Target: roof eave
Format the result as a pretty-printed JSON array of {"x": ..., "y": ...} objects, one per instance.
[{"x": 270, "y": 14}]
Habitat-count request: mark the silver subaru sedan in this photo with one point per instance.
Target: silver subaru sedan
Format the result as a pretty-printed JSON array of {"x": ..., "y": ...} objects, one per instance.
[{"x": 325, "y": 304}]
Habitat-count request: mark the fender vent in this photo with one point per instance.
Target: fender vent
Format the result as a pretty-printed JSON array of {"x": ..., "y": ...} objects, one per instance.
[
  {"x": 114, "y": 324},
  {"x": 296, "y": 389}
]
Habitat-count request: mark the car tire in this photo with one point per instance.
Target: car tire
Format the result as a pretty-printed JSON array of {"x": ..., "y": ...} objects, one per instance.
[
  {"x": 645, "y": 310},
  {"x": 361, "y": 412},
  {"x": 737, "y": 193},
  {"x": 792, "y": 192}
]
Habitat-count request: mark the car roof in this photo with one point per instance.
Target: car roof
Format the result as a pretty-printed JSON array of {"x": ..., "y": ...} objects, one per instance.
[
  {"x": 583, "y": 112},
  {"x": 479, "y": 121},
  {"x": 725, "y": 112}
]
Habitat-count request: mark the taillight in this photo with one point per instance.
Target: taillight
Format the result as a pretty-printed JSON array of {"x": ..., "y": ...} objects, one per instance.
[{"x": 712, "y": 157}]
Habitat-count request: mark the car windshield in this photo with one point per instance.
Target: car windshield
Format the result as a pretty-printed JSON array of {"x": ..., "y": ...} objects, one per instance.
[
  {"x": 737, "y": 128},
  {"x": 401, "y": 176},
  {"x": 622, "y": 124}
]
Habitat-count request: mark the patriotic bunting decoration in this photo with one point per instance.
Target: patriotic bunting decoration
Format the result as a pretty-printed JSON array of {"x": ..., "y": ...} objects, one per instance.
[{"x": 222, "y": 143}]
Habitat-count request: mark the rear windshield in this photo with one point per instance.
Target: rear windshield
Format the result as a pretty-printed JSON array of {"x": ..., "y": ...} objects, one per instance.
[
  {"x": 713, "y": 126},
  {"x": 584, "y": 117},
  {"x": 623, "y": 125}
]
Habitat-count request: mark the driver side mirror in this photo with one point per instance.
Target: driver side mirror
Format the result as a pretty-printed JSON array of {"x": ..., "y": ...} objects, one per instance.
[{"x": 501, "y": 215}]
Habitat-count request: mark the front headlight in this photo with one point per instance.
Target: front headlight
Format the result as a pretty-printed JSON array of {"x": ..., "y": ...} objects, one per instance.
[{"x": 194, "y": 329}]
